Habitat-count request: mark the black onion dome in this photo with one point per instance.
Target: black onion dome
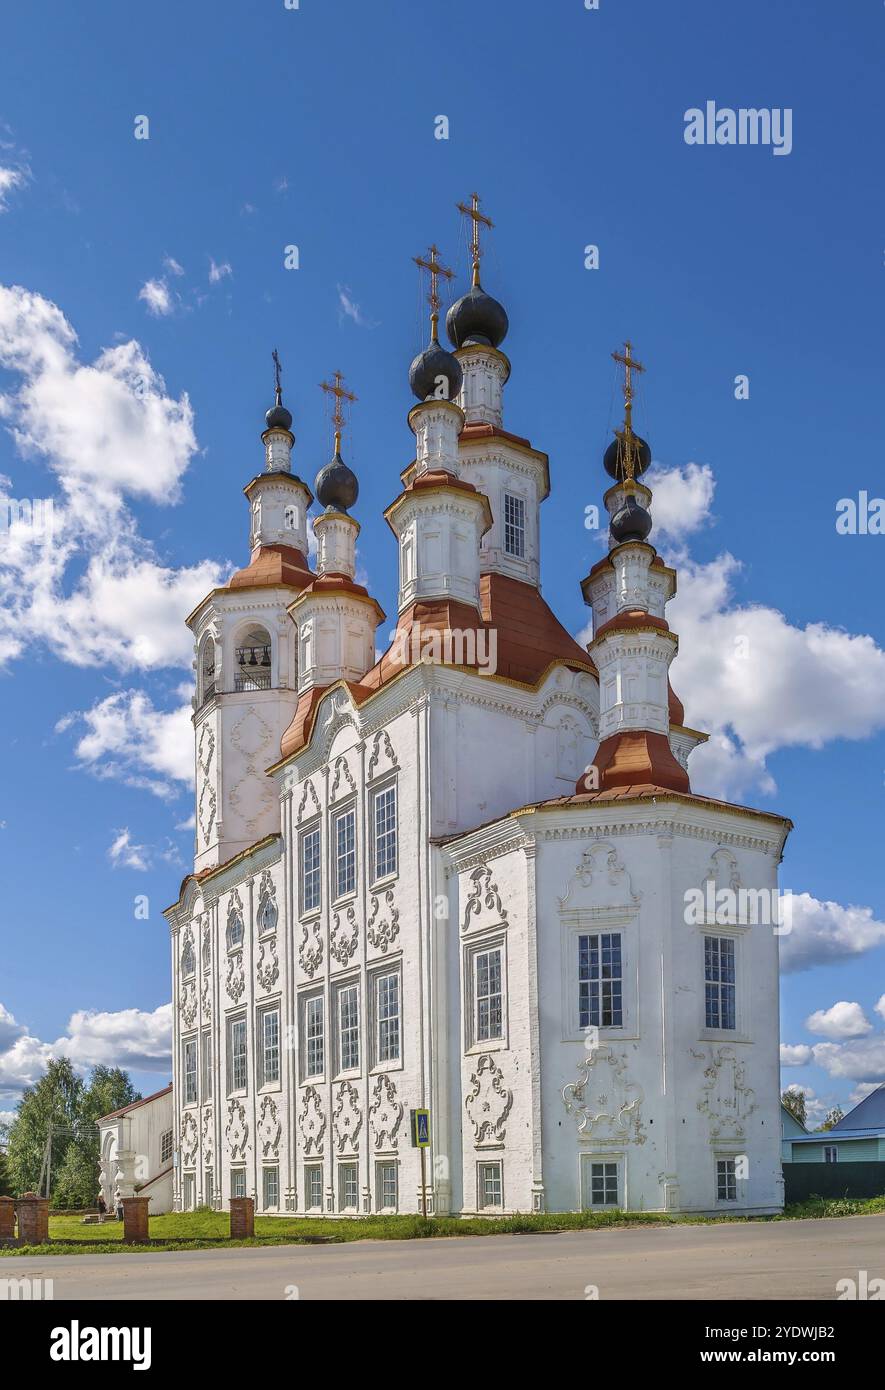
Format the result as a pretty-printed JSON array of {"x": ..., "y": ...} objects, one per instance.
[
  {"x": 631, "y": 522},
  {"x": 278, "y": 417},
  {"x": 336, "y": 486},
  {"x": 431, "y": 364},
  {"x": 477, "y": 318},
  {"x": 613, "y": 460}
]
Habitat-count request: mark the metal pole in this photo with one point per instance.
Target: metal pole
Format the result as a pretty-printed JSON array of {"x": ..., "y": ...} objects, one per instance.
[{"x": 424, "y": 1183}]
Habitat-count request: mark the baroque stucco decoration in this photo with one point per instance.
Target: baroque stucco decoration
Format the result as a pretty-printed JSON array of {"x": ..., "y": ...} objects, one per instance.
[
  {"x": 189, "y": 1004},
  {"x": 599, "y": 881},
  {"x": 483, "y": 898},
  {"x": 268, "y": 966},
  {"x": 604, "y": 1103},
  {"x": 344, "y": 936},
  {"x": 310, "y": 952},
  {"x": 385, "y": 1113},
  {"x": 488, "y": 1102},
  {"x": 312, "y": 1121},
  {"x": 347, "y": 1119},
  {"x": 382, "y": 931},
  {"x": 342, "y": 773},
  {"x": 269, "y": 1129},
  {"x": 382, "y": 749},
  {"x": 235, "y": 981},
  {"x": 727, "y": 1101},
  {"x": 190, "y": 1140},
  {"x": 237, "y": 1131},
  {"x": 308, "y": 793},
  {"x": 206, "y": 998},
  {"x": 206, "y": 1136}
]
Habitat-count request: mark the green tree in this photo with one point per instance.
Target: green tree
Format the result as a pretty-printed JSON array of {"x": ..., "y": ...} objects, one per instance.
[
  {"x": 5, "y": 1184},
  {"x": 76, "y": 1182},
  {"x": 794, "y": 1101},
  {"x": 55, "y": 1099},
  {"x": 833, "y": 1118}
]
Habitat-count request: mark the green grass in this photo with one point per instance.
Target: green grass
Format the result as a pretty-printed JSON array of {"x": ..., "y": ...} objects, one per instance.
[{"x": 207, "y": 1230}]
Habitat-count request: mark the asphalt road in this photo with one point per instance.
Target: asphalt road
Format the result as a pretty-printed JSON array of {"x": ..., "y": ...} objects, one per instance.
[{"x": 782, "y": 1260}]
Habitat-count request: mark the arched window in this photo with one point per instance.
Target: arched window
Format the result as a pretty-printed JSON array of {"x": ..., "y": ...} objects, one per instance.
[
  {"x": 290, "y": 519},
  {"x": 267, "y": 907},
  {"x": 252, "y": 659},
  {"x": 235, "y": 927},
  {"x": 188, "y": 956},
  {"x": 206, "y": 672}
]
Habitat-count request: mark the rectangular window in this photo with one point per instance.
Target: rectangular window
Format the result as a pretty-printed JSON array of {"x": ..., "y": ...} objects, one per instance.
[
  {"x": 236, "y": 1052},
  {"x": 269, "y": 1024},
  {"x": 514, "y": 526},
  {"x": 314, "y": 1036},
  {"x": 490, "y": 1185},
  {"x": 600, "y": 998},
  {"x": 726, "y": 1180},
  {"x": 189, "y": 1194},
  {"x": 488, "y": 995},
  {"x": 313, "y": 1185},
  {"x": 348, "y": 1187},
  {"x": 345, "y": 853},
  {"x": 831, "y": 1153},
  {"x": 190, "y": 1071},
  {"x": 604, "y": 1185},
  {"x": 238, "y": 1182},
  {"x": 166, "y": 1146},
  {"x": 384, "y": 822},
  {"x": 270, "y": 1188},
  {"x": 348, "y": 1028},
  {"x": 387, "y": 1017},
  {"x": 311, "y": 873},
  {"x": 210, "y": 1188},
  {"x": 385, "y": 1183},
  {"x": 719, "y": 982},
  {"x": 206, "y": 1046}
]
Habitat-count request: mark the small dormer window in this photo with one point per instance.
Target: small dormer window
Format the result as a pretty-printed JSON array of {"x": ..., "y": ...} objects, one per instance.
[{"x": 514, "y": 526}]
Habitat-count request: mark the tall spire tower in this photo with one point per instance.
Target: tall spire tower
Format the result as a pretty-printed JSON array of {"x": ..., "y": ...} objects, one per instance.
[{"x": 633, "y": 645}]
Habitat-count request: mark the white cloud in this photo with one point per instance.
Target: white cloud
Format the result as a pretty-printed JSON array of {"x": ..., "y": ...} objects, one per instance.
[
  {"x": 823, "y": 932},
  {"x": 860, "y": 1060},
  {"x": 348, "y": 308},
  {"x": 795, "y": 1055},
  {"x": 218, "y": 272},
  {"x": 10, "y": 179},
  {"x": 173, "y": 266},
  {"x": 130, "y": 1038},
  {"x": 880, "y": 1007},
  {"x": 842, "y": 1020},
  {"x": 861, "y": 1091},
  {"x": 129, "y": 740},
  {"x": 123, "y": 854},
  {"x": 681, "y": 499},
  {"x": 157, "y": 297}
]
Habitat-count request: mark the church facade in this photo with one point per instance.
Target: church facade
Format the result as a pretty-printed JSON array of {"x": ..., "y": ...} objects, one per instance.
[{"x": 455, "y": 876}]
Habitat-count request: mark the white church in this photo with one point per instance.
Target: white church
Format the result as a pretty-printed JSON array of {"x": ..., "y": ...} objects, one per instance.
[{"x": 453, "y": 877}]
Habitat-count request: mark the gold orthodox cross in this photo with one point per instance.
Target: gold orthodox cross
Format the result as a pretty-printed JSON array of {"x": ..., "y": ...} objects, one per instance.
[
  {"x": 277, "y": 376},
  {"x": 338, "y": 391},
  {"x": 479, "y": 219},
  {"x": 437, "y": 269},
  {"x": 626, "y": 435}
]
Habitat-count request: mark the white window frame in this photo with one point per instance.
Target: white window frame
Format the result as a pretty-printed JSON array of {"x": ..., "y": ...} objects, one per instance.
[
  {"x": 350, "y": 1167},
  {"x": 731, "y": 1180},
  {"x": 831, "y": 1149},
  {"x": 385, "y": 870},
  {"x": 189, "y": 1070},
  {"x": 167, "y": 1144},
  {"x": 591, "y": 1180},
  {"x": 473, "y": 951},
  {"x": 188, "y": 1191},
  {"x": 518, "y": 526},
  {"x": 313, "y": 1040},
  {"x": 395, "y": 1059},
  {"x": 600, "y": 935},
  {"x": 234, "y": 944},
  {"x": 265, "y": 1081},
  {"x": 270, "y": 1173},
  {"x": 344, "y": 1063},
  {"x": 206, "y": 1068},
  {"x": 316, "y": 870},
  {"x": 386, "y": 1166},
  {"x": 236, "y": 1174},
  {"x": 488, "y": 1166},
  {"x": 310, "y": 1170},
  {"x": 209, "y": 1186},
  {"x": 710, "y": 934},
  {"x": 234, "y": 1087},
  {"x": 347, "y": 814}
]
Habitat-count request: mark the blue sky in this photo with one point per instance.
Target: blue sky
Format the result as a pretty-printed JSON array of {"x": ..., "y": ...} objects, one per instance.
[{"x": 139, "y": 411}]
